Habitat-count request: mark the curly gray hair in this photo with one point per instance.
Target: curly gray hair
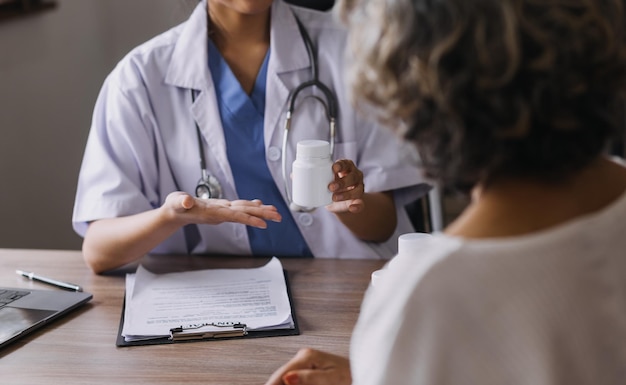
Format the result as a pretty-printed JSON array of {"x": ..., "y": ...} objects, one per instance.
[{"x": 490, "y": 88}]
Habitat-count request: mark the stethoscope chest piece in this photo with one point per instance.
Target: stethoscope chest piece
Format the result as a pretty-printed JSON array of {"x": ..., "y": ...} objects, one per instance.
[{"x": 209, "y": 188}]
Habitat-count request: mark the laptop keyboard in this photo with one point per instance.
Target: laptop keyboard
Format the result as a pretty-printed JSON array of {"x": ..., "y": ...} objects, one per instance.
[{"x": 8, "y": 296}]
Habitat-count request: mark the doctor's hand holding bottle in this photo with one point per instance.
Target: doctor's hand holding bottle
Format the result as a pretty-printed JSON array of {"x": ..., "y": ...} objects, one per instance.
[{"x": 350, "y": 203}]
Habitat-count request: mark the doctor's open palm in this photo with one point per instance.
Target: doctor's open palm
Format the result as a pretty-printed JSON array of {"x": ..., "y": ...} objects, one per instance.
[{"x": 190, "y": 210}]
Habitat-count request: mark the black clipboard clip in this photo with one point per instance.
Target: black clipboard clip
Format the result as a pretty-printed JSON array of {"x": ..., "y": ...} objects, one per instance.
[{"x": 208, "y": 330}]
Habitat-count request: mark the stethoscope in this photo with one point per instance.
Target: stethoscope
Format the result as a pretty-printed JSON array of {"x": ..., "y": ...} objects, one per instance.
[{"x": 209, "y": 186}]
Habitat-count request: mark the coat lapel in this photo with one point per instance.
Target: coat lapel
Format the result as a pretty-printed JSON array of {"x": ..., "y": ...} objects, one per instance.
[
  {"x": 288, "y": 55},
  {"x": 189, "y": 70}
]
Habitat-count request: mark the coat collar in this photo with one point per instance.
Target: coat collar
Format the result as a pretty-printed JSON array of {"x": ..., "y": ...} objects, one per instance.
[
  {"x": 286, "y": 38},
  {"x": 189, "y": 68}
]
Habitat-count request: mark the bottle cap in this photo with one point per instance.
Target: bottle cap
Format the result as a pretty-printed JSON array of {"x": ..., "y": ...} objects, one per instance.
[{"x": 307, "y": 149}]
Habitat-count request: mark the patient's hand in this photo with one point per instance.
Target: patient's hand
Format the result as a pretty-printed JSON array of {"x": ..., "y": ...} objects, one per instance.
[{"x": 313, "y": 367}]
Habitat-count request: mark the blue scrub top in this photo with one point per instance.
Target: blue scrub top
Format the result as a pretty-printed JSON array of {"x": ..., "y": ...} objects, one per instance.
[{"x": 242, "y": 118}]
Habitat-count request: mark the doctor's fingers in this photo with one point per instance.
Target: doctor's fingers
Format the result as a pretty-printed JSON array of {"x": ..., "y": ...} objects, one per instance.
[
  {"x": 179, "y": 201},
  {"x": 238, "y": 203},
  {"x": 255, "y": 216},
  {"x": 250, "y": 203},
  {"x": 347, "y": 176},
  {"x": 182, "y": 201},
  {"x": 348, "y": 193},
  {"x": 343, "y": 167},
  {"x": 352, "y": 205}
]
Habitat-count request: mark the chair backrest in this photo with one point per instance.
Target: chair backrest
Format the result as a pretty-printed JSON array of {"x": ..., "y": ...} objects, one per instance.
[
  {"x": 426, "y": 213},
  {"x": 419, "y": 214}
]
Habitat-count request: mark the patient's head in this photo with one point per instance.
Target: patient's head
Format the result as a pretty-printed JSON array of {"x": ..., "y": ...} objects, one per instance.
[{"x": 492, "y": 88}]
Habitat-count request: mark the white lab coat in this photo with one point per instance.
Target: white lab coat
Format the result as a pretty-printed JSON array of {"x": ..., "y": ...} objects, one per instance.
[{"x": 143, "y": 143}]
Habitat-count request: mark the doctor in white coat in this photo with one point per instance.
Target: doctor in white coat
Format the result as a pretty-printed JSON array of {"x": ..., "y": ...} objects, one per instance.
[{"x": 216, "y": 88}]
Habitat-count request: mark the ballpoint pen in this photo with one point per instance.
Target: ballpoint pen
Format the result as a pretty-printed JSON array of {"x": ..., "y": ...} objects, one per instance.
[{"x": 49, "y": 281}]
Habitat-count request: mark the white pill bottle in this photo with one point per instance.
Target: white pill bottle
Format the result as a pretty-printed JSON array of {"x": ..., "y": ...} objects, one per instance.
[{"x": 312, "y": 172}]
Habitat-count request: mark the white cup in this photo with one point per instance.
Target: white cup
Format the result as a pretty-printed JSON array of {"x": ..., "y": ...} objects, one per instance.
[
  {"x": 407, "y": 246},
  {"x": 407, "y": 243},
  {"x": 376, "y": 276}
]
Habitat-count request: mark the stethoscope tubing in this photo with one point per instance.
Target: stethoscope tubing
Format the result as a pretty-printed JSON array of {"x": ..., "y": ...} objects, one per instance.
[{"x": 330, "y": 107}]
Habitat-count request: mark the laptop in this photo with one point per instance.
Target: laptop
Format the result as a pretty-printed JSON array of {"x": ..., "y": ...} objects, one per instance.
[{"x": 25, "y": 310}]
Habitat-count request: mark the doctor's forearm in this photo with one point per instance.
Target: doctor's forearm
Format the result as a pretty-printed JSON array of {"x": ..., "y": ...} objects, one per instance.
[
  {"x": 377, "y": 221},
  {"x": 114, "y": 242}
]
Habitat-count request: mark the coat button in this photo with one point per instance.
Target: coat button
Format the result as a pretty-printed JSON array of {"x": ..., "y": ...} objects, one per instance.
[
  {"x": 273, "y": 153},
  {"x": 306, "y": 219}
]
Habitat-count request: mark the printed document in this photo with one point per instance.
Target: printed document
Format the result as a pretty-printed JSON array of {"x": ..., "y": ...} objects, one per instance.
[{"x": 156, "y": 303}]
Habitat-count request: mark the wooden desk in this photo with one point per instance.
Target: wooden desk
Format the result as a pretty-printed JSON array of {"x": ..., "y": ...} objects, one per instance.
[{"x": 80, "y": 348}]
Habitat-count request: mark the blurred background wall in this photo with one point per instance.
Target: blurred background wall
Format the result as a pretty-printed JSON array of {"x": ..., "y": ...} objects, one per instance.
[{"x": 52, "y": 65}]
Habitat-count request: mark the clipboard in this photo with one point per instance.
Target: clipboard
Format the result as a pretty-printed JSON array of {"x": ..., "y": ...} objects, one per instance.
[{"x": 226, "y": 332}]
